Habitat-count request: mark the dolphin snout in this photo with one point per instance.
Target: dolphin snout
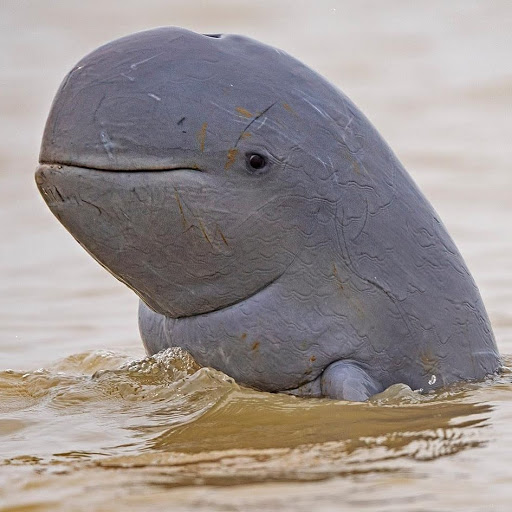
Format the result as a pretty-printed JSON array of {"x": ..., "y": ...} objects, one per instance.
[
  {"x": 46, "y": 186},
  {"x": 58, "y": 186}
]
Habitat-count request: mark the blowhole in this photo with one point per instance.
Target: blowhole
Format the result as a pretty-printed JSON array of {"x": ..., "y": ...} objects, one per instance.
[{"x": 215, "y": 36}]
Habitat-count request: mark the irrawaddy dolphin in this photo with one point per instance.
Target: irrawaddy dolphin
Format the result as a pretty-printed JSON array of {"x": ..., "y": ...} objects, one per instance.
[{"x": 264, "y": 223}]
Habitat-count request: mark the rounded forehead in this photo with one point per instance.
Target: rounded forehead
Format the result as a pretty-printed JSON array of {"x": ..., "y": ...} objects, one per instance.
[
  {"x": 137, "y": 98},
  {"x": 200, "y": 67},
  {"x": 174, "y": 56}
]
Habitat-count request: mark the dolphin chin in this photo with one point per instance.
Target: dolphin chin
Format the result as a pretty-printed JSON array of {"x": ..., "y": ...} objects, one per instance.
[
  {"x": 265, "y": 224},
  {"x": 129, "y": 242}
]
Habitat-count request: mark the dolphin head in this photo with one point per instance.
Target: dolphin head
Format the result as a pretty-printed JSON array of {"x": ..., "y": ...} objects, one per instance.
[{"x": 183, "y": 164}]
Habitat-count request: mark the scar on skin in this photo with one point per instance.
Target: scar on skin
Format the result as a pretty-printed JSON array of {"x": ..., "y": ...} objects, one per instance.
[
  {"x": 107, "y": 144},
  {"x": 244, "y": 335},
  {"x": 222, "y": 236},
  {"x": 255, "y": 345},
  {"x": 242, "y": 111},
  {"x": 312, "y": 359},
  {"x": 231, "y": 158},
  {"x": 176, "y": 195},
  {"x": 205, "y": 234},
  {"x": 202, "y": 136},
  {"x": 245, "y": 135}
]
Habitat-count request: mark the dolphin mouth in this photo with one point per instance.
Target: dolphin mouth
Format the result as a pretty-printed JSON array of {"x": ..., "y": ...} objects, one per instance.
[
  {"x": 61, "y": 165},
  {"x": 52, "y": 195}
]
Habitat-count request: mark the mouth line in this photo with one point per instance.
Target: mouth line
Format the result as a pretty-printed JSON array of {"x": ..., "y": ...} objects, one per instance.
[
  {"x": 52, "y": 195},
  {"x": 60, "y": 165}
]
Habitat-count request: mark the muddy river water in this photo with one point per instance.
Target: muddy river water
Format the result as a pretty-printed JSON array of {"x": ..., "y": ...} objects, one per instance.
[{"x": 88, "y": 423}]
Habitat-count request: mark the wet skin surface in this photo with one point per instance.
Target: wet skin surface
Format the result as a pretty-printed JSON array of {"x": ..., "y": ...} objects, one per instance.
[{"x": 265, "y": 224}]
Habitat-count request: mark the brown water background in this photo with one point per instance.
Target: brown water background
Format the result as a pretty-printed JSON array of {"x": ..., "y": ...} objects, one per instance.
[{"x": 86, "y": 424}]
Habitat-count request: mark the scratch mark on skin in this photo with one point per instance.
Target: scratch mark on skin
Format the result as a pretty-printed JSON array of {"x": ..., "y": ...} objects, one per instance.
[
  {"x": 202, "y": 136},
  {"x": 253, "y": 120},
  {"x": 321, "y": 112},
  {"x": 124, "y": 214},
  {"x": 177, "y": 196},
  {"x": 231, "y": 158},
  {"x": 129, "y": 77},
  {"x": 222, "y": 236},
  {"x": 45, "y": 192},
  {"x": 91, "y": 204},
  {"x": 135, "y": 65},
  {"x": 205, "y": 234},
  {"x": 230, "y": 112},
  {"x": 59, "y": 194},
  {"x": 188, "y": 228},
  {"x": 351, "y": 141},
  {"x": 242, "y": 111},
  {"x": 262, "y": 124},
  {"x": 51, "y": 194},
  {"x": 347, "y": 126},
  {"x": 154, "y": 96},
  {"x": 107, "y": 144}
]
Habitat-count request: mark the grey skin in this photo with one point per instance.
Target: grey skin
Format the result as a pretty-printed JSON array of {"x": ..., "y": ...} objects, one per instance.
[{"x": 319, "y": 269}]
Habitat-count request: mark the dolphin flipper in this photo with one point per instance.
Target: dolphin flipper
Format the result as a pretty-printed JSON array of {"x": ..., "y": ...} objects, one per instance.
[{"x": 346, "y": 380}]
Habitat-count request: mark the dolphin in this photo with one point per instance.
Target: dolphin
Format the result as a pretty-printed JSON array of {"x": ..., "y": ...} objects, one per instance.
[{"x": 262, "y": 220}]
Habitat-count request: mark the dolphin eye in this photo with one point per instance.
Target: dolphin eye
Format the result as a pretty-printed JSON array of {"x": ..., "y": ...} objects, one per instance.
[{"x": 255, "y": 161}]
